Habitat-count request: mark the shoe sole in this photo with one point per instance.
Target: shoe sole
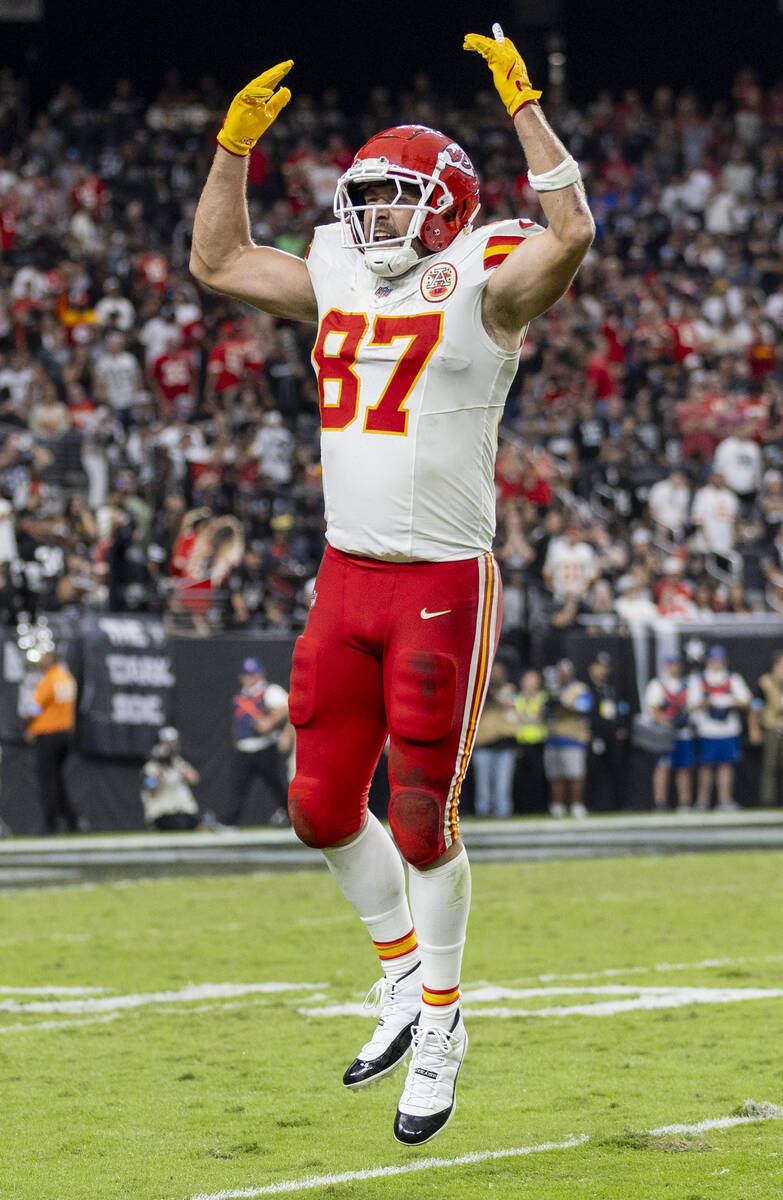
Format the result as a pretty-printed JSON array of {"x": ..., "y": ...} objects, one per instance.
[
  {"x": 372, "y": 1080},
  {"x": 424, "y": 1141}
]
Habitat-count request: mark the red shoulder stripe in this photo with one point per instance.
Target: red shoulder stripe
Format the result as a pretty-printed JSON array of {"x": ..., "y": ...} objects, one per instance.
[
  {"x": 494, "y": 260},
  {"x": 502, "y": 239}
]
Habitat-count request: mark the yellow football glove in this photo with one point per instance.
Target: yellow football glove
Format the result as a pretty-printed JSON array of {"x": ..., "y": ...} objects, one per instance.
[
  {"x": 254, "y": 109},
  {"x": 508, "y": 70}
]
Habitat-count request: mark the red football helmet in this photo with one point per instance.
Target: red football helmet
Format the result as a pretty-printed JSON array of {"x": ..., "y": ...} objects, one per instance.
[{"x": 408, "y": 155}]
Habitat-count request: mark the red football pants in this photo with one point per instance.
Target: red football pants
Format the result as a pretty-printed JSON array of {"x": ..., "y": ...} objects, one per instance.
[{"x": 402, "y": 650}]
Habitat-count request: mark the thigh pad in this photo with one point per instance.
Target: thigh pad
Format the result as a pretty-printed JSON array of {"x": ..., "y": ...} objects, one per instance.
[
  {"x": 303, "y": 687},
  {"x": 421, "y": 687}
]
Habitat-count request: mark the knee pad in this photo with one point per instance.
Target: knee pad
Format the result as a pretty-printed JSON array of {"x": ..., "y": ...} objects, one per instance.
[
  {"x": 421, "y": 695},
  {"x": 416, "y": 817},
  {"x": 318, "y": 814}
]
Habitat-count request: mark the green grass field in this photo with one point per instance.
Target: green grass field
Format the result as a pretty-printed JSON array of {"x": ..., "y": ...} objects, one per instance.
[{"x": 151, "y": 1089}]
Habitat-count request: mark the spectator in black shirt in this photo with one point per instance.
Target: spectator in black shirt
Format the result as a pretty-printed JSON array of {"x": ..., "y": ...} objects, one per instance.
[{"x": 607, "y": 765}]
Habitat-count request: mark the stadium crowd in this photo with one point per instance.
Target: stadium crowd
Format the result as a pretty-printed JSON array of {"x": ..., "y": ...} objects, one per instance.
[{"x": 159, "y": 443}]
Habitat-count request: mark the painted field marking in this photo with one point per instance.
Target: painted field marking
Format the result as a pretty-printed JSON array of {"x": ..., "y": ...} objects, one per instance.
[
  {"x": 480, "y": 999},
  {"x": 166, "y": 1011},
  {"x": 54, "y": 991},
  {"x": 37, "y": 1026},
  {"x": 629, "y": 999},
  {"x": 193, "y": 991},
  {"x": 94, "y": 1000},
  {"x": 754, "y": 1113},
  {"x": 609, "y": 972},
  {"x": 424, "y": 1164}
]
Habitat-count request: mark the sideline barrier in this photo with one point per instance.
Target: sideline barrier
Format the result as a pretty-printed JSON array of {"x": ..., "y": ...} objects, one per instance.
[{"x": 198, "y": 676}]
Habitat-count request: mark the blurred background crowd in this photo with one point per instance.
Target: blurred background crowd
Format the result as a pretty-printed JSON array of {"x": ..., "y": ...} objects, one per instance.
[{"x": 159, "y": 444}]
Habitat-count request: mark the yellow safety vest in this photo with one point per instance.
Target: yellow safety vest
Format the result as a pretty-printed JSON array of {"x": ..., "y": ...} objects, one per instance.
[{"x": 532, "y": 729}]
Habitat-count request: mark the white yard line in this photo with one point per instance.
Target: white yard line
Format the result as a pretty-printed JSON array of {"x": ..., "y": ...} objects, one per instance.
[
  {"x": 193, "y": 991},
  {"x": 663, "y": 967},
  {"x": 479, "y": 1000},
  {"x": 166, "y": 1010},
  {"x": 37, "y": 1026},
  {"x": 423, "y": 1164},
  {"x": 612, "y": 1008},
  {"x": 628, "y": 999},
  {"x": 755, "y": 1114},
  {"x": 54, "y": 991}
]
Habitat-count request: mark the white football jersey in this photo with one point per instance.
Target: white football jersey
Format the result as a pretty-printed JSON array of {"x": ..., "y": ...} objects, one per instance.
[
  {"x": 412, "y": 390},
  {"x": 715, "y": 509},
  {"x": 739, "y": 462},
  {"x": 669, "y": 504},
  {"x": 572, "y": 568}
]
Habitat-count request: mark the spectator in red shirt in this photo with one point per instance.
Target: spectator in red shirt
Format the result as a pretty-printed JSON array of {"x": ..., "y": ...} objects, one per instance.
[{"x": 173, "y": 378}]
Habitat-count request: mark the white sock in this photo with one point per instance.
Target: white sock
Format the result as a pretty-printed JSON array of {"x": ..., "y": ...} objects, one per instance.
[
  {"x": 440, "y": 902},
  {"x": 370, "y": 874}
]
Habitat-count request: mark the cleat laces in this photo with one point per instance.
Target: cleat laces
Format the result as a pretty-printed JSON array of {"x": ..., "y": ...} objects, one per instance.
[
  {"x": 431, "y": 1048},
  {"x": 384, "y": 1000},
  {"x": 376, "y": 997}
]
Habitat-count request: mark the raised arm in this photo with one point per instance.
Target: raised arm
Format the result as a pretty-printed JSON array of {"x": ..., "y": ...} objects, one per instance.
[
  {"x": 223, "y": 255},
  {"x": 541, "y": 268}
]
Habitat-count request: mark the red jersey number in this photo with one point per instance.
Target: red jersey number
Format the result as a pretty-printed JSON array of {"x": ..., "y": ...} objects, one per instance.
[
  {"x": 423, "y": 333},
  {"x": 337, "y": 367}
]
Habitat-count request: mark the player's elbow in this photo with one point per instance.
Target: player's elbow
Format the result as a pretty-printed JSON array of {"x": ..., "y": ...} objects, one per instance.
[
  {"x": 579, "y": 234},
  {"x": 201, "y": 269},
  {"x": 210, "y": 265}
]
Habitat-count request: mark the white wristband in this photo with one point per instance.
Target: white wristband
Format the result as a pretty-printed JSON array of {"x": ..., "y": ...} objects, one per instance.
[{"x": 561, "y": 176}]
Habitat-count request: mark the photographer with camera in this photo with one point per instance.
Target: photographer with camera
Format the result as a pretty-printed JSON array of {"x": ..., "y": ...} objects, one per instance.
[{"x": 167, "y": 781}]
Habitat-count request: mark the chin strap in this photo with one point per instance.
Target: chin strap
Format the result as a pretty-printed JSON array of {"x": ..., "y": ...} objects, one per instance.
[{"x": 390, "y": 261}]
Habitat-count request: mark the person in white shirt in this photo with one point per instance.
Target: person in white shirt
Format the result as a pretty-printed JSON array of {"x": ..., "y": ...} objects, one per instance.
[
  {"x": 8, "y": 550},
  {"x": 666, "y": 702},
  {"x": 29, "y": 281},
  {"x": 18, "y": 376},
  {"x": 714, "y": 510},
  {"x": 154, "y": 335},
  {"x": 167, "y": 783},
  {"x": 716, "y": 698},
  {"x": 571, "y": 565},
  {"x": 738, "y": 460},
  {"x": 273, "y": 446},
  {"x": 115, "y": 309},
  {"x": 669, "y": 501},
  {"x": 118, "y": 377}
]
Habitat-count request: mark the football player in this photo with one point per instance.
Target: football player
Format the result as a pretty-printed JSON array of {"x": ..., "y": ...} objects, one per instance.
[{"x": 419, "y": 321}]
